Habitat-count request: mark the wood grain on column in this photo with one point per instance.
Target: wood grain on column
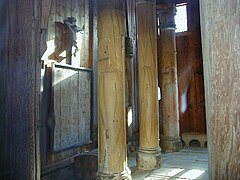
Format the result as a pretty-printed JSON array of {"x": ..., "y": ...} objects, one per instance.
[
  {"x": 111, "y": 77},
  {"x": 220, "y": 26},
  {"x": 170, "y": 140},
  {"x": 147, "y": 60},
  {"x": 169, "y": 86},
  {"x": 149, "y": 152}
]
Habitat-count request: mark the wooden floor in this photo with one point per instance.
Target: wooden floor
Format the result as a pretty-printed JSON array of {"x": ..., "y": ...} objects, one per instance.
[{"x": 189, "y": 163}]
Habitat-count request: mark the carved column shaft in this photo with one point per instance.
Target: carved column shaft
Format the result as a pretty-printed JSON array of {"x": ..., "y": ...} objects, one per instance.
[
  {"x": 170, "y": 141},
  {"x": 149, "y": 150},
  {"x": 111, "y": 78}
]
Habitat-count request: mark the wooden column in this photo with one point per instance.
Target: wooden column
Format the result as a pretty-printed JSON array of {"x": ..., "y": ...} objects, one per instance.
[
  {"x": 220, "y": 26},
  {"x": 170, "y": 140},
  {"x": 111, "y": 92},
  {"x": 149, "y": 155},
  {"x": 19, "y": 89}
]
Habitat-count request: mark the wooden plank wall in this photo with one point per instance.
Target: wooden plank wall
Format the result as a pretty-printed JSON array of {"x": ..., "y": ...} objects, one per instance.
[
  {"x": 79, "y": 9},
  {"x": 19, "y": 89},
  {"x": 71, "y": 107},
  {"x": 66, "y": 113},
  {"x": 190, "y": 74},
  {"x": 66, "y": 108}
]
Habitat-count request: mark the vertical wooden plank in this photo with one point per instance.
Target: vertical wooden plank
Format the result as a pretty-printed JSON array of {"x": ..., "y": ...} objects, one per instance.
[
  {"x": 51, "y": 25},
  {"x": 95, "y": 71},
  {"x": 74, "y": 101},
  {"x": 57, "y": 77},
  {"x": 84, "y": 107},
  {"x": 184, "y": 74},
  {"x": 66, "y": 111},
  {"x": 46, "y": 114},
  {"x": 20, "y": 89},
  {"x": 75, "y": 13},
  {"x": 220, "y": 26},
  {"x": 72, "y": 108},
  {"x": 45, "y": 14},
  {"x": 69, "y": 103},
  {"x": 86, "y": 35},
  {"x": 91, "y": 32},
  {"x": 81, "y": 20},
  {"x": 200, "y": 122}
]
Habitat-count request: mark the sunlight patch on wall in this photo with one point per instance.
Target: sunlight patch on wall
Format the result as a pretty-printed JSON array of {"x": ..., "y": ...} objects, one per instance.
[
  {"x": 184, "y": 101},
  {"x": 50, "y": 49}
]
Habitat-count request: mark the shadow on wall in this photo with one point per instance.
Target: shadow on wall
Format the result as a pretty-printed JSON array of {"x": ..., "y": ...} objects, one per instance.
[{"x": 66, "y": 47}]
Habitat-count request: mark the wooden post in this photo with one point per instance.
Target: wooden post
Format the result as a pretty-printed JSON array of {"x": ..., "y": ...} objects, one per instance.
[
  {"x": 170, "y": 140},
  {"x": 111, "y": 92},
  {"x": 94, "y": 63},
  {"x": 149, "y": 155},
  {"x": 20, "y": 89},
  {"x": 220, "y": 27},
  {"x": 128, "y": 66}
]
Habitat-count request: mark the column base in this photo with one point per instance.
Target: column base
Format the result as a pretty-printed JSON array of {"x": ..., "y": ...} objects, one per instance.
[
  {"x": 170, "y": 144},
  {"x": 149, "y": 158},
  {"x": 115, "y": 176}
]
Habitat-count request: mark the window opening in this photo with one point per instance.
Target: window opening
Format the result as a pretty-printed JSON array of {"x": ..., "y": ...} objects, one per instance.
[{"x": 181, "y": 18}]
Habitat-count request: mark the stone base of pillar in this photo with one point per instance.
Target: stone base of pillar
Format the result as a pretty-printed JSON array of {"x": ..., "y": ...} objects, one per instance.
[
  {"x": 115, "y": 176},
  {"x": 149, "y": 158},
  {"x": 170, "y": 144}
]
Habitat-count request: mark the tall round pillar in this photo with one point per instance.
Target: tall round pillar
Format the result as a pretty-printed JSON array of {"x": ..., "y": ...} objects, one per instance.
[
  {"x": 220, "y": 27},
  {"x": 149, "y": 154},
  {"x": 170, "y": 140},
  {"x": 111, "y": 91}
]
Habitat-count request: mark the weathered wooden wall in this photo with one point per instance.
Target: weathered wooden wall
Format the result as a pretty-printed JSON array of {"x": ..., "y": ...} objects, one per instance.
[
  {"x": 190, "y": 74},
  {"x": 19, "y": 89},
  {"x": 66, "y": 112},
  {"x": 71, "y": 107},
  {"x": 220, "y": 26},
  {"x": 79, "y": 9},
  {"x": 67, "y": 93}
]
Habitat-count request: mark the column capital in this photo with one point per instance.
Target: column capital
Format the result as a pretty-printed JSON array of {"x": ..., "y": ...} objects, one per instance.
[{"x": 167, "y": 11}]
